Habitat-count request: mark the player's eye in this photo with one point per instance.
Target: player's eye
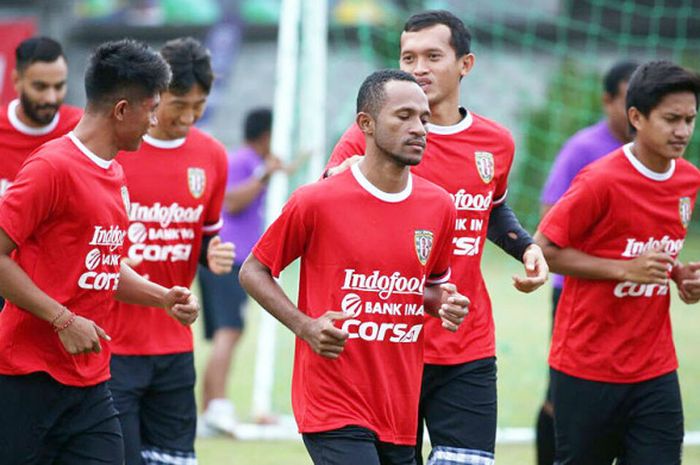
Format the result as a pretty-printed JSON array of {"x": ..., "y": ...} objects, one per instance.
[{"x": 407, "y": 58}]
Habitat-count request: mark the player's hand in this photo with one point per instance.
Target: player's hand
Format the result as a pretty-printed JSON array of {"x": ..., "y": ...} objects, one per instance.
[
  {"x": 323, "y": 337},
  {"x": 536, "y": 270},
  {"x": 652, "y": 267},
  {"x": 220, "y": 256},
  {"x": 181, "y": 304},
  {"x": 454, "y": 307},
  {"x": 347, "y": 163},
  {"x": 687, "y": 278},
  {"x": 82, "y": 336}
]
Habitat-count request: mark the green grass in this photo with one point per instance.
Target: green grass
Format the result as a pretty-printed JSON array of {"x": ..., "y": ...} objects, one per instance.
[{"x": 522, "y": 325}]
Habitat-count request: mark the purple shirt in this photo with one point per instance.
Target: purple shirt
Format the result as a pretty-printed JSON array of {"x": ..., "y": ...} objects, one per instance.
[
  {"x": 584, "y": 147},
  {"x": 245, "y": 227}
]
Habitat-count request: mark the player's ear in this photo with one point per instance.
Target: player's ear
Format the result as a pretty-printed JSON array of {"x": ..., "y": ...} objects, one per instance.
[
  {"x": 120, "y": 108},
  {"x": 466, "y": 63},
  {"x": 635, "y": 117},
  {"x": 365, "y": 122}
]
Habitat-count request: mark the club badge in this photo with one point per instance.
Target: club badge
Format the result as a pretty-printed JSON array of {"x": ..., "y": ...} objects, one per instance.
[
  {"x": 423, "y": 241},
  {"x": 485, "y": 165},
  {"x": 684, "y": 211},
  {"x": 196, "y": 181}
]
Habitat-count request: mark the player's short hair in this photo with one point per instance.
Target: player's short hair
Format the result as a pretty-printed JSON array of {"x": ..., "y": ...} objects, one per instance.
[
  {"x": 124, "y": 69},
  {"x": 372, "y": 93},
  {"x": 460, "y": 37},
  {"x": 257, "y": 122},
  {"x": 35, "y": 49},
  {"x": 619, "y": 72},
  {"x": 652, "y": 81},
  {"x": 190, "y": 63}
]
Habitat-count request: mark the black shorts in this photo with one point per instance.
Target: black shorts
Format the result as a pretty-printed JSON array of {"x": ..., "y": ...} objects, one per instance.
[
  {"x": 154, "y": 396},
  {"x": 223, "y": 300},
  {"x": 43, "y": 421},
  {"x": 638, "y": 423},
  {"x": 354, "y": 445},
  {"x": 459, "y": 406}
]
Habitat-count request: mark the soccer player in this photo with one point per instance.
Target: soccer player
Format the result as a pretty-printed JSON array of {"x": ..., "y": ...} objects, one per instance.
[
  {"x": 616, "y": 235},
  {"x": 62, "y": 227},
  {"x": 470, "y": 156},
  {"x": 584, "y": 147},
  {"x": 176, "y": 183},
  {"x": 223, "y": 298},
  {"x": 375, "y": 242}
]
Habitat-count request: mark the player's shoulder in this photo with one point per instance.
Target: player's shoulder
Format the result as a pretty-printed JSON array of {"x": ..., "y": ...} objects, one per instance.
[
  {"x": 686, "y": 168},
  {"x": 70, "y": 113},
  {"x": 58, "y": 154},
  {"x": 430, "y": 191},
  {"x": 484, "y": 124},
  {"x": 204, "y": 138}
]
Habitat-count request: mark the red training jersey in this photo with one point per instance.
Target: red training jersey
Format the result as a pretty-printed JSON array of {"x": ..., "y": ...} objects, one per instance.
[
  {"x": 177, "y": 190},
  {"x": 369, "y": 254},
  {"x": 66, "y": 211},
  {"x": 17, "y": 140},
  {"x": 610, "y": 331},
  {"x": 471, "y": 160}
]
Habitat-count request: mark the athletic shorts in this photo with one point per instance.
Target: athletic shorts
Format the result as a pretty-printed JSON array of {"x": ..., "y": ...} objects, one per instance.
[
  {"x": 154, "y": 395},
  {"x": 223, "y": 300},
  {"x": 43, "y": 421},
  {"x": 459, "y": 406},
  {"x": 638, "y": 423},
  {"x": 354, "y": 445}
]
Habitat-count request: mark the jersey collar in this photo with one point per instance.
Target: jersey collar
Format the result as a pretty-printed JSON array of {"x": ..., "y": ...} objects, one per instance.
[
  {"x": 393, "y": 197},
  {"x": 28, "y": 130},
  {"x": 101, "y": 162},
  {"x": 164, "y": 144},
  {"x": 464, "y": 124},
  {"x": 646, "y": 172}
]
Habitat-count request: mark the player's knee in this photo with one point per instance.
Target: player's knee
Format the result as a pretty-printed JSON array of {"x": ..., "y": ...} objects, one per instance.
[
  {"x": 157, "y": 456},
  {"x": 443, "y": 455}
]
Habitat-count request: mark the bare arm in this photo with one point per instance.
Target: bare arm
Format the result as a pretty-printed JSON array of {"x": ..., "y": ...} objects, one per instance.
[
  {"x": 446, "y": 303},
  {"x": 650, "y": 268},
  {"x": 324, "y": 338},
  {"x": 240, "y": 196}
]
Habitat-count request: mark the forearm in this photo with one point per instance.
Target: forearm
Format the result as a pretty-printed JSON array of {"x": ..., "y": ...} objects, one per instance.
[
  {"x": 432, "y": 300},
  {"x": 19, "y": 289},
  {"x": 239, "y": 197},
  {"x": 258, "y": 282},
  {"x": 507, "y": 233},
  {"x": 135, "y": 289},
  {"x": 573, "y": 262}
]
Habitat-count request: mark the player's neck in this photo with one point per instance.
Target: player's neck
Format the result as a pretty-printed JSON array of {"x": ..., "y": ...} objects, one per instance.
[
  {"x": 91, "y": 132},
  {"x": 445, "y": 113},
  {"x": 650, "y": 159},
  {"x": 384, "y": 174}
]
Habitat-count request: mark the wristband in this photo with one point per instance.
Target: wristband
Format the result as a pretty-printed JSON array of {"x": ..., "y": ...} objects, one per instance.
[
  {"x": 69, "y": 322},
  {"x": 58, "y": 317}
]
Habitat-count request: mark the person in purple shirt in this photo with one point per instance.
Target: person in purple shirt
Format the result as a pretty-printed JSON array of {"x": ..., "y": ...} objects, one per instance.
[
  {"x": 223, "y": 299},
  {"x": 584, "y": 147}
]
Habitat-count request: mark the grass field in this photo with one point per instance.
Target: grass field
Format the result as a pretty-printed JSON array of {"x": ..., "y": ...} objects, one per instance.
[{"x": 522, "y": 323}]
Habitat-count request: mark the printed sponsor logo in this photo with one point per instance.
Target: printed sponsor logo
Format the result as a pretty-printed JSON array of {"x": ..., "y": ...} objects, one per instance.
[
  {"x": 160, "y": 253},
  {"x": 630, "y": 289},
  {"x": 635, "y": 248},
  {"x": 684, "y": 211},
  {"x": 137, "y": 233},
  {"x": 485, "y": 165},
  {"x": 112, "y": 237},
  {"x": 468, "y": 246},
  {"x": 196, "y": 181},
  {"x": 164, "y": 214},
  {"x": 351, "y": 305},
  {"x": 383, "y": 285},
  {"x": 92, "y": 259},
  {"x": 92, "y": 280},
  {"x": 423, "y": 241},
  {"x": 372, "y": 331},
  {"x": 463, "y": 200}
]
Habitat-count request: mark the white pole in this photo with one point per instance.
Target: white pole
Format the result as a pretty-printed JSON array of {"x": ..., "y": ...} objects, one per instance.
[
  {"x": 282, "y": 127},
  {"x": 313, "y": 88}
]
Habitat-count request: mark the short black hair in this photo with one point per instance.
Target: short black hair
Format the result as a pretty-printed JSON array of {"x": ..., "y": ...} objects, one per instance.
[
  {"x": 124, "y": 69},
  {"x": 372, "y": 93},
  {"x": 619, "y": 72},
  {"x": 460, "y": 37},
  {"x": 257, "y": 122},
  {"x": 652, "y": 81},
  {"x": 35, "y": 49},
  {"x": 190, "y": 63}
]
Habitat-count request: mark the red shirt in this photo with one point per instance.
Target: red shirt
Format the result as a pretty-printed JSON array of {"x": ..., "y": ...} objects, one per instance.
[
  {"x": 17, "y": 140},
  {"x": 610, "y": 331},
  {"x": 471, "y": 160},
  {"x": 66, "y": 212},
  {"x": 368, "y": 254},
  {"x": 177, "y": 190}
]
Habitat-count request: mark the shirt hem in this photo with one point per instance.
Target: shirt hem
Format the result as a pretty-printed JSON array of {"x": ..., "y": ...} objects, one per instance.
[
  {"x": 66, "y": 381},
  {"x": 398, "y": 440},
  {"x": 428, "y": 360},
  {"x": 606, "y": 378}
]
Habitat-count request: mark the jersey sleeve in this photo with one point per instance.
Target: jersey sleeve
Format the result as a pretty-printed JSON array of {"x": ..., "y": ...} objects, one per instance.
[
  {"x": 286, "y": 238},
  {"x": 352, "y": 142},
  {"x": 569, "y": 221},
  {"x": 30, "y": 200},
  {"x": 212, "y": 220},
  {"x": 501, "y": 191},
  {"x": 439, "y": 271}
]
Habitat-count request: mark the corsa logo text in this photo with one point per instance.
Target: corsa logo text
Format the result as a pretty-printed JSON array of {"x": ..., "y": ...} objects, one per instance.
[
  {"x": 93, "y": 280},
  {"x": 372, "y": 331},
  {"x": 630, "y": 289}
]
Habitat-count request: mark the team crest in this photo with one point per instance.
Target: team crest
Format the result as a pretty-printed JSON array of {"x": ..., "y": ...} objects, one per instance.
[
  {"x": 196, "y": 181},
  {"x": 485, "y": 165},
  {"x": 684, "y": 211},
  {"x": 423, "y": 240},
  {"x": 125, "y": 198}
]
